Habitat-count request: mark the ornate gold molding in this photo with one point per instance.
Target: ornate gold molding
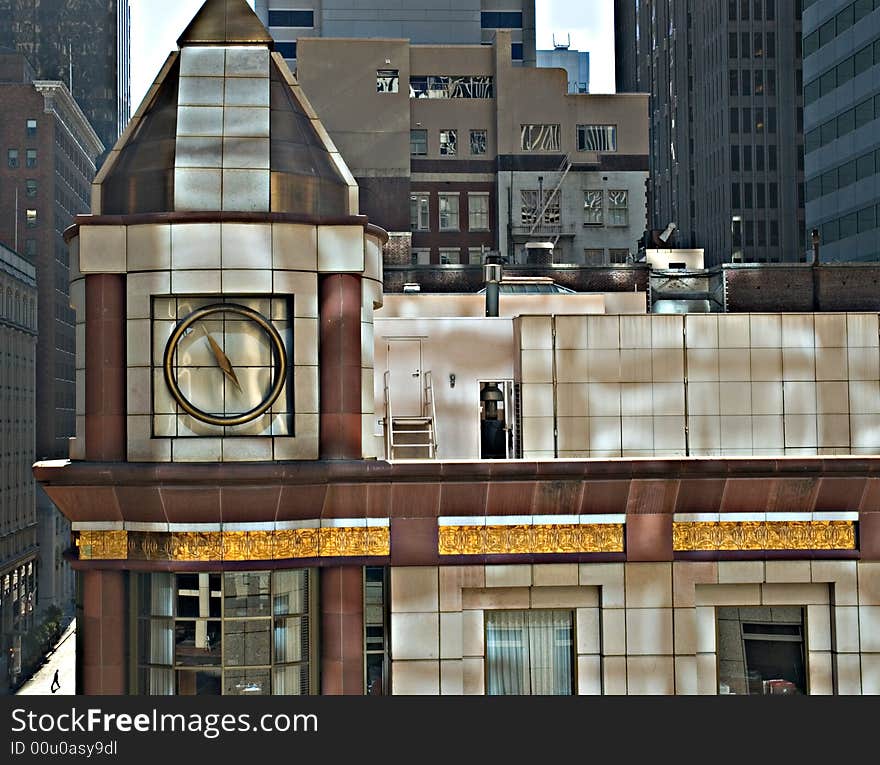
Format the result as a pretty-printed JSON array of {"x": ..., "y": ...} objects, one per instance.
[
  {"x": 234, "y": 545},
  {"x": 764, "y": 535},
  {"x": 523, "y": 540}
]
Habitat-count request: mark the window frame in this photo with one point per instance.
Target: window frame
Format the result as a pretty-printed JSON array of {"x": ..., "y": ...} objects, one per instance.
[
  {"x": 475, "y": 196},
  {"x": 447, "y": 198}
]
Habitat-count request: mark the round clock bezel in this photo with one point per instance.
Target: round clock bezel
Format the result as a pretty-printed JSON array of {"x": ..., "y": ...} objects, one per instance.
[{"x": 279, "y": 365}]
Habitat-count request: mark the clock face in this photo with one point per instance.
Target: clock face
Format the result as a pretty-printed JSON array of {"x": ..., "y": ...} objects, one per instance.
[{"x": 225, "y": 364}]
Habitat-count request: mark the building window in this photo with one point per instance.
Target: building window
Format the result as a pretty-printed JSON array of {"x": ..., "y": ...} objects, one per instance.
[
  {"x": 597, "y": 137},
  {"x": 594, "y": 257},
  {"x": 301, "y": 19},
  {"x": 242, "y": 633},
  {"x": 516, "y": 51},
  {"x": 418, "y": 143},
  {"x": 617, "y": 208},
  {"x": 450, "y": 86},
  {"x": 448, "y": 207},
  {"x": 475, "y": 256},
  {"x": 376, "y": 632},
  {"x": 12, "y": 158},
  {"x": 387, "y": 80},
  {"x": 31, "y": 157},
  {"x": 448, "y": 143},
  {"x": 31, "y": 126},
  {"x": 450, "y": 257},
  {"x": 31, "y": 217},
  {"x": 594, "y": 207},
  {"x": 761, "y": 651},
  {"x": 618, "y": 256},
  {"x": 529, "y": 653},
  {"x": 478, "y": 142},
  {"x": 418, "y": 212},
  {"x": 533, "y": 204},
  {"x": 420, "y": 257},
  {"x": 286, "y": 49},
  {"x": 31, "y": 187},
  {"x": 478, "y": 212},
  {"x": 539, "y": 137},
  {"x": 501, "y": 20}
]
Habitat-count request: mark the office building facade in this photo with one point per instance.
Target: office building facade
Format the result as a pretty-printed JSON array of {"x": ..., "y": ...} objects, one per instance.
[
  {"x": 85, "y": 45},
  {"x": 50, "y": 152},
  {"x": 461, "y": 22},
  {"x": 576, "y": 64},
  {"x": 726, "y": 125},
  {"x": 18, "y": 511},
  {"x": 841, "y": 123}
]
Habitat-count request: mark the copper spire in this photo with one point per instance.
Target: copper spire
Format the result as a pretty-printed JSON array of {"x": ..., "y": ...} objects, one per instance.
[{"x": 225, "y": 22}]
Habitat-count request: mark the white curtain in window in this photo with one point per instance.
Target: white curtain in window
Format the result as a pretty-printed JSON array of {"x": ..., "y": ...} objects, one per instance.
[{"x": 529, "y": 652}]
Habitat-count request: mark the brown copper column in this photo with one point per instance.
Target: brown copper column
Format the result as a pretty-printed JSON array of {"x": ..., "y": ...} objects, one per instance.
[
  {"x": 342, "y": 631},
  {"x": 102, "y": 634},
  {"x": 340, "y": 366},
  {"x": 105, "y": 367}
]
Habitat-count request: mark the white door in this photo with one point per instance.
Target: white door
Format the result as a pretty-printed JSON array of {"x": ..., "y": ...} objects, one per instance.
[{"x": 405, "y": 366}]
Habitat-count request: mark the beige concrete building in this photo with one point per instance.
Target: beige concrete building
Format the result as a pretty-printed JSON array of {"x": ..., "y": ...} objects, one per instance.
[{"x": 445, "y": 133}]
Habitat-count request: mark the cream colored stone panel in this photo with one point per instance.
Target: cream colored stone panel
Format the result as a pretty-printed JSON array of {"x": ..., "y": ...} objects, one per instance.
[
  {"x": 537, "y": 434},
  {"x": 845, "y": 624},
  {"x": 451, "y": 636},
  {"x": 509, "y": 576},
  {"x": 614, "y": 676},
  {"x": 650, "y": 676},
  {"x": 372, "y": 258},
  {"x": 197, "y": 450},
  {"x": 415, "y": 636},
  {"x": 102, "y": 249},
  {"x": 201, "y": 61},
  {"x": 564, "y": 597},
  {"x": 730, "y": 595},
  {"x": 77, "y": 446},
  {"x": 702, "y": 364},
  {"x": 818, "y": 628},
  {"x": 684, "y": 631},
  {"x": 537, "y": 399},
  {"x": 706, "y": 629},
  {"x": 740, "y": 572},
  {"x": 451, "y": 678},
  {"x": 862, "y": 363},
  {"x": 686, "y": 675},
  {"x": 299, "y": 448},
  {"x": 648, "y": 631},
  {"x": 613, "y": 632},
  {"x": 149, "y": 247},
  {"x": 139, "y": 290},
  {"x": 195, "y": 282},
  {"x": 781, "y": 571},
  {"x": 416, "y": 678},
  {"x": 869, "y": 629},
  {"x": 294, "y": 247},
  {"x": 304, "y": 288},
  {"x": 495, "y": 597},
  {"x": 587, "y": 630},
  {"x": 667, "y": 364},
  {"x": 794, "y": 594},
  {"x": 820, "y": 675},
  {"x": 246, "y": 245},
  {"x": 555, "y": 574},
  {"x": 635, "y": 331},
  {"x": 537, "y": 366},
  {"x": 609, "y": 577},
  {"x": 368, "y": 405},
  {"x": 78, "y": 298},
  {"x": 137, "y": 343},
  {"x": 473, "y": 641},
  {"x": 707, "y": 675},
  {"x": 142, "y": 448},
  {"x": 340, "y": 249},
  {"x": 138, "y": 390},
  {"x": 571, "y": 332},
  {"x": 648, "y": 585},
  {"x": 849, "y": 675},
  {"x": 453, "y": 579},
  {"x": 603, "y": 366},
  {"x": 869, "y": 584},
  {"x": 197, "y": 188},
  {"x": 536, "y": 333},
  {"x": 702, "y": 331},
  {"x": 305, "y": 389},
  {"x": 247, "y": 449},
  {"x": 247, "y": 281},
  {"x": 473, "y": 676},
  {"x": 305, "y": 342},
  {"x": 589, "y": 676},
  {"x": 414, "y": 589},
  {"x": 734, "y": 364}
]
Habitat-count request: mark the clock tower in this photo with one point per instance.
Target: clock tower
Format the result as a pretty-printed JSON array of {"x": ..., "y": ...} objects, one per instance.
[{"x": 224, "y": 287}]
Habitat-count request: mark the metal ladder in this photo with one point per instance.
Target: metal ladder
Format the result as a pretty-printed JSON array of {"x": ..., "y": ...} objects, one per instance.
[
  {"x": 409, "y": 432},
  {"x": 561, "y": 173}
]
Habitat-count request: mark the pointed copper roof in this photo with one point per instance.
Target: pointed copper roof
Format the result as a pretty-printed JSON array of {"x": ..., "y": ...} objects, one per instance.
[{"x": 225, "y": 22}]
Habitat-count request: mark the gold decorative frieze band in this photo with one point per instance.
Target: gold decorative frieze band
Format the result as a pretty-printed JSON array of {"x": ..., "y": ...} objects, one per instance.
[
  {"x": 531, "y": 539},
  {"x": 764, "y": 535},
  {"x": 335, "y": 541}
]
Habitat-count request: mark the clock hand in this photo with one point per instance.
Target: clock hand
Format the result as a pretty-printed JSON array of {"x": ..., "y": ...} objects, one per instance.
[{"x": 222, "y": 360}]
